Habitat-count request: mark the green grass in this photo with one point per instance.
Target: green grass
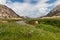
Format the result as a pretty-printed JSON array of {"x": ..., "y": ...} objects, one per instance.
[
  {"x": 47, "y": 29},
  {"x": 53, "y": 22},
  {"x": 47, "y": 21},
  {"x": 13, "y": 31}
]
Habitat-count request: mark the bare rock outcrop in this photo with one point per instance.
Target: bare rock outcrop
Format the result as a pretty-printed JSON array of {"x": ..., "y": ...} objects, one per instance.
[
  {"x": 54, "y": 12},
  {"x": 6, "y": 12}
]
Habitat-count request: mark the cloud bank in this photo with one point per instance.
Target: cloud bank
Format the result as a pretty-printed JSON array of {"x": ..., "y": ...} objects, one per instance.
[{"x": 35, "y": 8}]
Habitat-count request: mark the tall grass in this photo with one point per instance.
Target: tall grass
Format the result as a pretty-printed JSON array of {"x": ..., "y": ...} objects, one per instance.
[
  {"x": 54, "y": 22},
  {"x": 13, "y": 31},
  {"x": 47, "y": 29}
]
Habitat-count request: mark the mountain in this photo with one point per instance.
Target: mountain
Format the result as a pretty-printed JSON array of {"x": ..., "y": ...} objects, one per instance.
[
  {"x": 6, "y": 12},
  {"x": 54, "y": 12}
]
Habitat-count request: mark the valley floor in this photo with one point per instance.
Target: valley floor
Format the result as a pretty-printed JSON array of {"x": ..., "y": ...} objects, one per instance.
[{"x": 13, "y": 31}]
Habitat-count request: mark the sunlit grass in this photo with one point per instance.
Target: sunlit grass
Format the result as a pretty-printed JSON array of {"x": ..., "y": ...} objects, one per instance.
[
  {"x": 47, "y": 29},
  {"x": 13, "y": 31}
]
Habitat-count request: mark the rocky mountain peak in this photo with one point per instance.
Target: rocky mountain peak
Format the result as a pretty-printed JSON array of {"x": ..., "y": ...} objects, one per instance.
[
  {"x": 6, "y": 12},
  {"x": 55, "y": 11}
]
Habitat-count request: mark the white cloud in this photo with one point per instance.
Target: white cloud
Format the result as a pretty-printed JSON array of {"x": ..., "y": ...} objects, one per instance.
[
  {"x": 43, "y": 1},
  {"x": 3, "y": 1},
  {"x": 26, "y": 9},
  {"x": 57, "y": 2}
]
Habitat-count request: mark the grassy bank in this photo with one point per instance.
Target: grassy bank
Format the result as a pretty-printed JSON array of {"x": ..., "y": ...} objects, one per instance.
[
  {"x": 54, "y": 22},
  {"x": 47, "y": 21},
  {"x": 13, "y": 31}
]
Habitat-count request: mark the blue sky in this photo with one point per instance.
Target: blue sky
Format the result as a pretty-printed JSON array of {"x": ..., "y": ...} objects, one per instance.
[
  {"x": 31, "y": 8},
  {"x": 34, "y": 1},
  {"x": 51, "y": 1},
  {"x": 18, "y": 1}
]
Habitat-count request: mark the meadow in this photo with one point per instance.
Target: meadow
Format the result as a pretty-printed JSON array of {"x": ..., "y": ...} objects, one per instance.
[{"x": 47, "y": 29}]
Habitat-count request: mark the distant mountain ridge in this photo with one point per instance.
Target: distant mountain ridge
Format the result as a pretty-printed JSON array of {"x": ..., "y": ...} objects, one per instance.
[
  {"x": 54, "y": 12},
  {"x": 6, "y": 12}
]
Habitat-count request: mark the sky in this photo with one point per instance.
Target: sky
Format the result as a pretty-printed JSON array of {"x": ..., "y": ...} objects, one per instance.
[{"x": 31, "y": 8}]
